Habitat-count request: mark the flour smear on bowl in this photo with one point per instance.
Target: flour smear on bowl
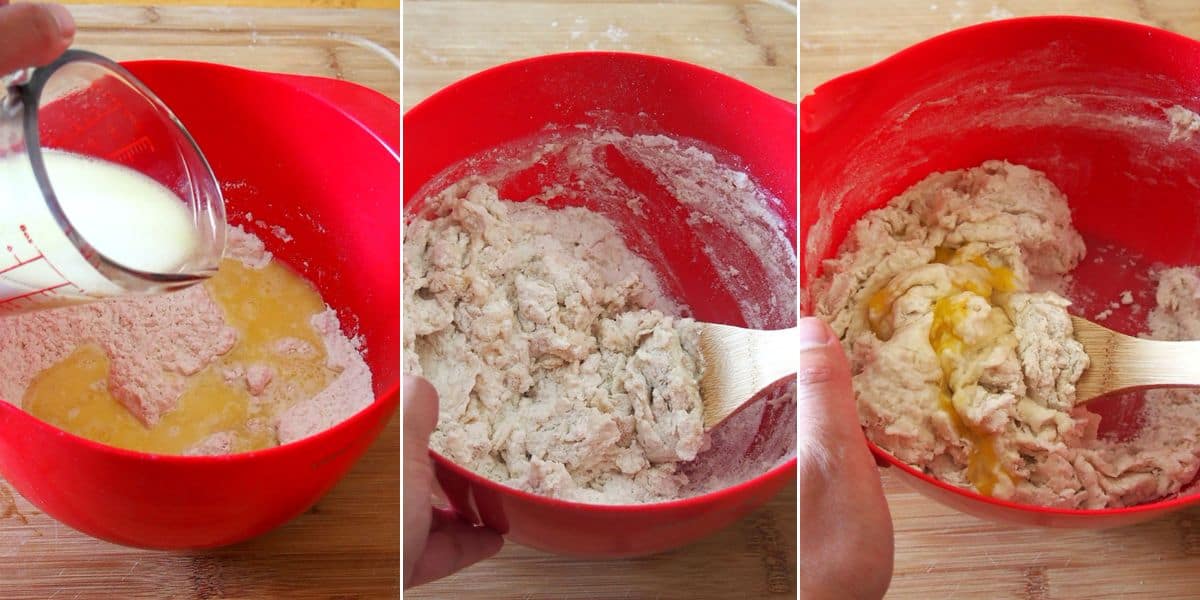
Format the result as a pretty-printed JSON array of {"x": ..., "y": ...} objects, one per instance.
[
  {"x": 250, "y": 359},
  {"x": 542, "y": 303},
  {"x": 948, "y": 300}
]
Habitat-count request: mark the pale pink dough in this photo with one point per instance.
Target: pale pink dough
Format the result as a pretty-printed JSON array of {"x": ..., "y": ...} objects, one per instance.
[{"x": 554, "y": 373}]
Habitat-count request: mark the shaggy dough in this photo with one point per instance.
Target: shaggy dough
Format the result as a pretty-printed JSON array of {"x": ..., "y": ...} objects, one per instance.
[
  {"x": 959, "y": 368},
  {"x": 554, "y": 373}
]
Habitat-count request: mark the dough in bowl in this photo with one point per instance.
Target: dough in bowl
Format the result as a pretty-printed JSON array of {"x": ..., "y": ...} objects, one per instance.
[
  {"x": 963, "y": 355},
  {"x": 559, "y": 367}
]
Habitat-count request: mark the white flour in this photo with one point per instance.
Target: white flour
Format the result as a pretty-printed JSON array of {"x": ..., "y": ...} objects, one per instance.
[
  {"x": 153, "y": 344},
  {"x": 1184, "y": 123},
  {"x": 347, "y": 394}
]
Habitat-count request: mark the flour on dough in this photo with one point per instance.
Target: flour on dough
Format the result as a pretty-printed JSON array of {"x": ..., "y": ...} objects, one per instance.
[
  {"x": 961, "y": 367},
  {"x": 556, "y": 372},
  {"x": 1184, "y": 123}
]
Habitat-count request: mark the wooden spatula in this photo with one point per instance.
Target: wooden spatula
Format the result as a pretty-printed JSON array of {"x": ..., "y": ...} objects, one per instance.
[
  {"x": 1121, "y": 362},
  {"x": 739, "y": 363}
]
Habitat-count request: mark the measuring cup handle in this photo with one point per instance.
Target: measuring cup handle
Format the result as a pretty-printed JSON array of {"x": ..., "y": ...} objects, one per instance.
[{"x": 375, "y": 111}]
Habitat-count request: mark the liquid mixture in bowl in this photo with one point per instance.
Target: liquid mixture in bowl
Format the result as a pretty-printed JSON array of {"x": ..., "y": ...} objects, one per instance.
[{"x": 250, "y": 359}]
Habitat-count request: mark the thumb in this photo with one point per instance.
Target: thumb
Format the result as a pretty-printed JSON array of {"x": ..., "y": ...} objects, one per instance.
[
  {"x": 825, "y": 404},
  {"x": 846, "y": 542},
  {"x": 420, "y": 413},
  {"x": 33, "y": 34}
]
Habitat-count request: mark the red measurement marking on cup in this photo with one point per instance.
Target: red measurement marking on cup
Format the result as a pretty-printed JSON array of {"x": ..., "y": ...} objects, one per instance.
[
  {"x": 47, "y": 291},
  {"x": 132, "y": 149},
  {"x": 20, "y": 263},
  {"x": 50, "y": 264},
  {"x": 39, "y": 257}
]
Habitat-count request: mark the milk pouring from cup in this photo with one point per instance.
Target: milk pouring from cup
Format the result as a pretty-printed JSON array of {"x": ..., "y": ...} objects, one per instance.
[{"x": 102, "y": 191}]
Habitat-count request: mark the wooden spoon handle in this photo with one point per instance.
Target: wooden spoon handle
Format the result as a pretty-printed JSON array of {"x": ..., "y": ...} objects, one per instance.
[
  {"x": 741, "y": 362},
  {"x": 1122, "y": 362}
]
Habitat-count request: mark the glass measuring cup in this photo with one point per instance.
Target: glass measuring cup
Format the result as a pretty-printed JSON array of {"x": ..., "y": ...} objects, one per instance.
[{"x": 103, "y": 193}]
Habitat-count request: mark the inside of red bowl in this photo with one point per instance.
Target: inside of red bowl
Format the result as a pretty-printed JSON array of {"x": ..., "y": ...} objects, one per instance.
[
  {"x": 722, "y": 256},
  {"x": 277, "y": 174},
  {"x": 1088, "y": 102}
]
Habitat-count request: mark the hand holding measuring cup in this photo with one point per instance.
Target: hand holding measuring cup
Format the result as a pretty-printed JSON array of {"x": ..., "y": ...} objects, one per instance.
[
  {"x": 33, "y": 34},
  {"x": 103, "y": 193}
]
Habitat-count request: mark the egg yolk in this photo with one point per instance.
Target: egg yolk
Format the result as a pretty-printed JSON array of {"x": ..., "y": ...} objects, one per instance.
[{"x": 984, "y": 469}]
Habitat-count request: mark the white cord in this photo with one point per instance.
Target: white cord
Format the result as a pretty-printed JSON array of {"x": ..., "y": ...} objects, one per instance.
[
  {"x": 355, "y": 40},
  {"x": 788, "y": 6},
  {"x": 363, "y": 42}
]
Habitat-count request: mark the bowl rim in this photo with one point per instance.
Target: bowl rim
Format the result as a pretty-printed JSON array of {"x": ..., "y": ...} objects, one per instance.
[
  {"x": 515, "y": 65},
  {"x": 384, "y": 402},
  {"x": 1161, "y": 505},
  {"x": 1165, "y": 504},
  {"x": 785, "y": 468},
  {"x": 953, "y": 35}
]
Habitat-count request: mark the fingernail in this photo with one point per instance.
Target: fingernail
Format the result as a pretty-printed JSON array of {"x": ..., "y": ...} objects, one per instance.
[
  {"x": 62, "y": 17},
  {"x": 813, "y": 332}
]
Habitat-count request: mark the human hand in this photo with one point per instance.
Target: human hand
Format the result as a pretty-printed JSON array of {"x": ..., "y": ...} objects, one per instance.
[
  {"x": 846, "y": 544},
  {"x": 434, "y": 545},
  {"x": 33, "y": 34}
]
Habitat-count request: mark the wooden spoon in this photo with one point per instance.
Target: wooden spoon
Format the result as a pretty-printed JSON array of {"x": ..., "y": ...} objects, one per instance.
[
  {"x": 1122, "y": 362},
  {"x": 739, "y": 363}
]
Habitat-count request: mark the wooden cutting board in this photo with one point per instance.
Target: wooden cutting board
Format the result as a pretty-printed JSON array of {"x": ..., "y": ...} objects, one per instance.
[
  {"x": 347, "y": 546},
  {"x": 446, "y": 40},
  {"x": 941, "y": 553},
  {"x": 753, "y": 41},
  {"x": 359, "y": 45}
]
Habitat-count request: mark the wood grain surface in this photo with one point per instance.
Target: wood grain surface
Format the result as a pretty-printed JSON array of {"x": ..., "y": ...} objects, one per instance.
[
  {"x": 753, "y": 41},
  {"x": 754, "y": 558},
  {"x": 382, "y": 4},
  {"x": 347, "y": 546},
  {"x": 445, "y": 40},
  {"x": 941, "y": 553},
  {"x": 357, "y": 45}
]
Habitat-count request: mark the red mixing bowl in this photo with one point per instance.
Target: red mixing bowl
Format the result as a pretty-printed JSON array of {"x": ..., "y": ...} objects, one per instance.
[
  {"x": 517, "y": 100},
  {"x": 1080, "y": 99},
  {"x": 320, "y": 158}
]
